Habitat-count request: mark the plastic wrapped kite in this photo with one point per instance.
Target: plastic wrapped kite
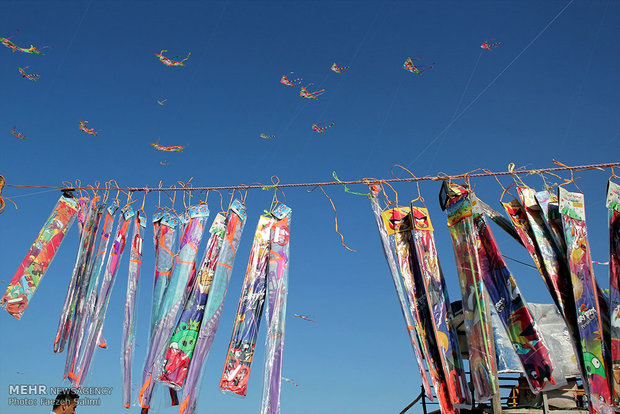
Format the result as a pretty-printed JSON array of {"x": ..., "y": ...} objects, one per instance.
[
  {"x": 135, "y": 260},
  {"x": 173, "y": 299},
  {"x": 183, "y": 341},
  {"x": 105, "y": 290},
  {"x": 30, "y": 76},
  {"x": 587, "y": 304},
  {"x": 277, "y": 291},
  {"x": 411, "y": 67},
  {"x": 38, "y": 258},
  {"x": 169, "y": 62},
  {"x": 235, "y": 223},
  {"x": 613, "y": 204}
]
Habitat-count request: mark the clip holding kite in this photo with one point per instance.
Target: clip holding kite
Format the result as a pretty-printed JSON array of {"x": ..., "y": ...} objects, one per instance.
[
  {"x": 490, "y": 44},
  {"x": 19, "y": 135},
  {"x": 310, "y": 95},
  {"x": 321, "y": 127},
  {"x": 32, "y": 76},
  {"x": 286, "y": 81},
  {"x": 173, "y": 148},
  {"x": 339, "y": 69},
  {"x": 169, "y": 62},
  {"x": 265, "y": 136},
  {"x": 84, "y": 128},
  {"x": 411, "y": 67}
]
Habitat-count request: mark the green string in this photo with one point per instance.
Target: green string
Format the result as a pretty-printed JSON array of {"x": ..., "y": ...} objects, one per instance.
[{"x": 346, "y": 189}]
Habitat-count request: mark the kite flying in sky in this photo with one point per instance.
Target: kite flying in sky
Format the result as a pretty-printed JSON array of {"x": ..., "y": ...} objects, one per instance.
[
  {"x": 409, "y": 65},
  {"x": 310, "y": 95},
  {"x": 339, "y": 69},
  {"x": 164, "y": 163},
  {"x": 490, "y": 44},
  {"x": 84, "y": 128},
  {"x": 173, "y": 148},
  {"x": 321, "y": 127},
  {"x": 33, "y": 76},
  {"x": 265, "y": 136},
  {"x": 6, "y": 42},
  {"x": 170, "y": 62},
  {"x": 305, "y": 317},
  {"x": 162, "y": 103},
  {"x": 286, "y": 81},
  {"x": 33, "y": 50},
  {"x": 18, "y": 134},
  {"x": 291, "y": 381}
]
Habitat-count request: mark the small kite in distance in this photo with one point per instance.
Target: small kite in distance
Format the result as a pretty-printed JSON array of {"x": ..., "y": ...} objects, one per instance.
[
  {"x": 173, "y": 148},
  {"x": 290, "y": 381},
  {"x": 18, "y": 134},
  {"x": 170, "y": 62},
  {"x": 321, "y": 127},
  {"x": 162, "y": 103},
  {"x": 600, "y": 263},
  {"x": 411, "y": 67},
  {"x": 32, "y": 76},
  {"x": 339, "y": 69},
  {"x": 305, "y": 317},
  {"x": 490, "y": 44},
  {"x": 84, "y": 128},
  {"x": 265, "y": 136},
  {"x": 6, "y": 42},
  {"x": 310, "y": 95},
  {"x": 164, "y": 163},
  {"x": 286, "y": 81}
]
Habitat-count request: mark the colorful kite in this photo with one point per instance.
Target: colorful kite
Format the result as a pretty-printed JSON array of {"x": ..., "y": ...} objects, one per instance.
[
  {"x": 170, "y": 62},
  {"x": 321, "y": 127},
  {"x": 19, "y": 135},
  {"x": 290, "y": 381},
  {"x": 84, "y": 128},
  {"x": 310, "y": 95},
  {"x": 305, "y": 317},
  {"x": 33, "y": 76},
  {"x": 285, "y": 81},
  {"x": 173, "y": 148},
  {"x": 490, "y": 44},
  {"x": 408, "y": 65},
  {"x": 339, "y": 69},
  {"x": 265, "y": 136},
  {"x": 6, "y": 42},
  {"x": 164, "y": 163},
  {"x": 162, "y": 103},
  {"x": 33, "y": 50}
]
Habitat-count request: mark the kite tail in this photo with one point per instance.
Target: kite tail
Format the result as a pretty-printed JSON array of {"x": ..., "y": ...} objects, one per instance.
[{"x": 186, "y": 57}]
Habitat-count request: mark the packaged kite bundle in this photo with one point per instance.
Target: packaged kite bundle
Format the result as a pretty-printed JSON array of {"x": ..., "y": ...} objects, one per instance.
[
  {"x": 135, "y": 260},
  {"x": 277, "y": 290},
  {"x": 235, "y": 222},
  {"x": 613, "y": 204},
  {"x": 387, "y": 244},
  {"x": 103, "y": 298},
  {"x": 38, "y": 258},
  {"x": 541, "y": 373},
  {"x": 173, "y": 299},
  {"x": 587, "y": 305},
  {"x": 245, "y": 331},
  {"x": 476, "y": 311},
  {"x": 183, "y": 341},
  {"x": 441, "y": 312},
  {"x": 272, "y": 232}
]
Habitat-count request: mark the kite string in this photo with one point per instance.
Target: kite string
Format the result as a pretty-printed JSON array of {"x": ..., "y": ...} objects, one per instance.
[
  {"x": 490, "y": 83},
  {"x": 367, "y": 181}
]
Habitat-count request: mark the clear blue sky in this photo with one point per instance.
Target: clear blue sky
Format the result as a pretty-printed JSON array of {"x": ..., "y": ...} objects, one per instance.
[{"x": 559, "y": 99}]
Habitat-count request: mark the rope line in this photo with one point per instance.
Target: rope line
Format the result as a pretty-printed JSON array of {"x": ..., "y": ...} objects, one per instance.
[{"x": 367, "y": 181}]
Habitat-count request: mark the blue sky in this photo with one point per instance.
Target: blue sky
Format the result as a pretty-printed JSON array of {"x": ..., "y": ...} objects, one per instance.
[{"x": 558, "y": 100}]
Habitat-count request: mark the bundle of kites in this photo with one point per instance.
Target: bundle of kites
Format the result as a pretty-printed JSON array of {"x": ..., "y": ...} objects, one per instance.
[
  {"x": 552, "y": 227},
  {"x": 188, "y": 295}
]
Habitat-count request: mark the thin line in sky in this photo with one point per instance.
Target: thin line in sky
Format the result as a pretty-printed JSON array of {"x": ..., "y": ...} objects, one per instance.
[{"x": 443, "y": 131}]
